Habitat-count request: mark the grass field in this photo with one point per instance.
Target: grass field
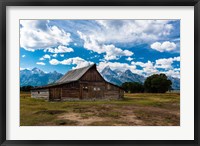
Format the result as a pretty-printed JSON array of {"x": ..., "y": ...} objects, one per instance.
[{"x": 134, "y": 110}]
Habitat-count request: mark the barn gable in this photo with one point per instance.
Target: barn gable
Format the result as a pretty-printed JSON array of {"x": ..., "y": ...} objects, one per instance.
[{"x": 74, "y": 75}]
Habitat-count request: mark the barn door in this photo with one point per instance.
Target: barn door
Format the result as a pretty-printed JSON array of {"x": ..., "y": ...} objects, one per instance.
[{"x": 55, "y": 94}]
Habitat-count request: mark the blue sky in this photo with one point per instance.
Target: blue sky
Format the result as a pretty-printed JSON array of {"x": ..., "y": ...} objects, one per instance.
[{"x": 144, "y": 46}]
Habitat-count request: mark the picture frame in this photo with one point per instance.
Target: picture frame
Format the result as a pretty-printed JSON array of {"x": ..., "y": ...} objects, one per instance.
[{"x": 5, "y": 3}]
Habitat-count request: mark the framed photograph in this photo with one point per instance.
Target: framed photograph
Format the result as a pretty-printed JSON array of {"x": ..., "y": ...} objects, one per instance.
[{"x": 99, "y": 72}]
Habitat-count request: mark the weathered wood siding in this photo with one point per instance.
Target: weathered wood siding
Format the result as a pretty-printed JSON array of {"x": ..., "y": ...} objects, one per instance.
[
  {"x": 113, "y": 92},
  {"x": 70, "y": 91},
  {"x": 92, "y": 90},
  {"x": 40, "y": 93}
]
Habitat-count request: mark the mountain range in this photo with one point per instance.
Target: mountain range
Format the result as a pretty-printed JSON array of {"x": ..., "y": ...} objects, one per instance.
[
  {"x": 118, "y": 77},
  {"x": 37, "y": 77}
]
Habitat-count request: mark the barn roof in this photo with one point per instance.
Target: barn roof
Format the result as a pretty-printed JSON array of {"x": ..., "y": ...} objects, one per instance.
[{"x": 74, "y": 75}]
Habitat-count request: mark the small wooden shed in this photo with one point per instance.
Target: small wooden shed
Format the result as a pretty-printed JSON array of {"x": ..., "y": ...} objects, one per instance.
[{"x": 83, "y": 83}]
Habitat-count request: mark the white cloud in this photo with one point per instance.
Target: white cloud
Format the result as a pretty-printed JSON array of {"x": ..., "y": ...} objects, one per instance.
[
  {"x": 129, "y": 59},
  {"x": 148, "y": 67},
  {"x": 111, "y": 52},
  {"x": 40, "y": 63},
  {"x": 79, "y": 62},
  {"x": 165, "y": 46},
  {"x": 90, "y": 43},
  {"x": 54, "y": 62},
  {"x": 177, "y": 69},
  {"x": 55, "y": 55},
  {"x": 21, "y": 68},
  {"x": 38, "y": 34},
  {"x": 41, "y": 59},
  {"x": 23, "y": 56},
  {"x": 172, "y": 73},
  {"x": 62, "y": 55},
  {"x": 177, "y": 58},
  {"x": 135, "y": 31},
  {"x": 46, "y": 56},
  {"x": 166, "y": 63},
  {"x": 59, "y": 49}
]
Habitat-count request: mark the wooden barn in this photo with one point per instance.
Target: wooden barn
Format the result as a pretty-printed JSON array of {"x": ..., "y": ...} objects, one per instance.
[{"x": 83, "y": 83}]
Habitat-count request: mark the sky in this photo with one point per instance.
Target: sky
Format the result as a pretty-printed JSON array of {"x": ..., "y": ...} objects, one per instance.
[{"x": 145, "y": 47}]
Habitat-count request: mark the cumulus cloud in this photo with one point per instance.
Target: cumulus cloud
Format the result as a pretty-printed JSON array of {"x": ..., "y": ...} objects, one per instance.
[
  {"x": 41, "y": 59},
  {"x": 172, "y": 73},
  {"x": 165, "y": 46},
  {"x": 55, "y": 55},
  {"x": 176, "y": 69},
  {"x": 22, "y": 68},
  {"x": 166, "y": 63},
  {"x": 38, "y": 34},
  {"x": 111, "y": 51},
  {"x": 54, "y": 62},
  {"x": 59, "y": 49},
  {"x": 40, "y": 63},
  {"x": 62, "y": 55},
  {"x": 79, "y": 62},
  {"x": 148, "y": 67},
  {"x": 129, "y": 59},
  {"x": 46, "y": 56},
  {"x": 133, "y": 30},
  {"x": 23, "y": 56}
]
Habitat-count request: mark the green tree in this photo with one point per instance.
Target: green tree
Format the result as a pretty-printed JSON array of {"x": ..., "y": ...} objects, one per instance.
[
  {"x": 133, "y": 87},
  {"x": 157, "y": 83}
]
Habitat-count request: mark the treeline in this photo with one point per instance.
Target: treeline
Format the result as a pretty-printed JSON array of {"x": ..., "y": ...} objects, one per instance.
[
  {"x": 157, "y": 83},
  {"x": 26, "y": 88}
]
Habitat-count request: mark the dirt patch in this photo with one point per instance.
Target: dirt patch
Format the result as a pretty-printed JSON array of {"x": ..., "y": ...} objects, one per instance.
[
  {"x": 102, "y": 117},
  {"x": 80, "y": 121}
]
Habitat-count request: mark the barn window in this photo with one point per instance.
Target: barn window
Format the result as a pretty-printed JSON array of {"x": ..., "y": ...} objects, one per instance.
[
  {"x": 38, "y": 92},
  {"x": 85, "y": 87}
]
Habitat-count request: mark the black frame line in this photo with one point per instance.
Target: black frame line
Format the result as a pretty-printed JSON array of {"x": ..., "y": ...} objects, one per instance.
[{"x": 5, "y": 3}]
